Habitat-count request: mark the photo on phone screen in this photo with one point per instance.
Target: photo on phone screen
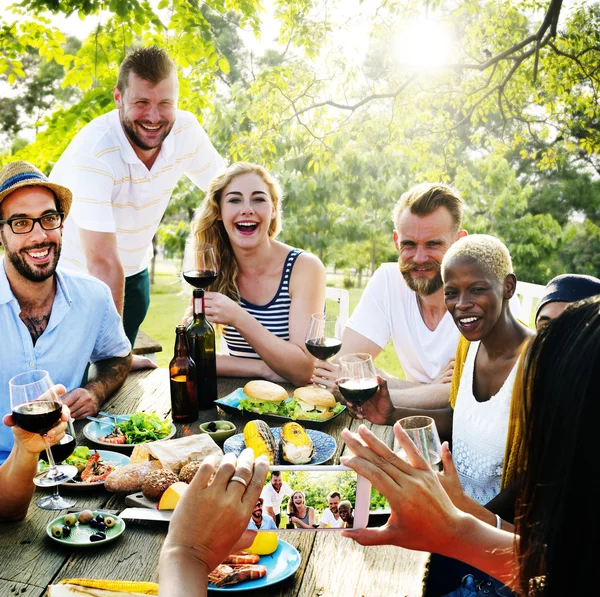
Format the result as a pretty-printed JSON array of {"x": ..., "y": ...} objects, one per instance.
[{"x": 312, "y": 497}]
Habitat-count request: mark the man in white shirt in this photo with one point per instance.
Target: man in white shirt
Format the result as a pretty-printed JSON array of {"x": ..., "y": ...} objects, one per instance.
[
  {"x": 122, "y": 168},
  {"x": 330, "y": 517},
  {"x": 404, "y": 301},
  {"x": 273, "y": 493}
]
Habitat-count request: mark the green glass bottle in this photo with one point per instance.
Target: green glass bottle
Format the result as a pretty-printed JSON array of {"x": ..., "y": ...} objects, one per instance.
[{"x": 201, "y": 339}]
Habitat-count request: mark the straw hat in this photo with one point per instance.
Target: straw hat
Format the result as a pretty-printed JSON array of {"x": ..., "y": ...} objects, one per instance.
[{"x": 22, "y": 174}]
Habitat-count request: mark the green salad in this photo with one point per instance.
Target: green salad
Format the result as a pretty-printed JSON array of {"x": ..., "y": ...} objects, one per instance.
[
  {"x": 144, "y": 427},
  {"x": 78, "y": 458}
]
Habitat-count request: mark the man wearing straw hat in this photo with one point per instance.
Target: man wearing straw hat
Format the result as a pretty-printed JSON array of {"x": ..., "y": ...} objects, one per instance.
[{"x": 51, "y": 319}]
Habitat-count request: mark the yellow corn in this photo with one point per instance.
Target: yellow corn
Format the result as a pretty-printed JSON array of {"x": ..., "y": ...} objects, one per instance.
[{"x": 258, "y": 436}]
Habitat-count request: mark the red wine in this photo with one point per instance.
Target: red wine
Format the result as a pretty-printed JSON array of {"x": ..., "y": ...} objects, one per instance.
[
  {"x": 62, "y": 450},
  {"x": 200, "y": 279},
  {"x": 323, "y": 348},
  {"x": 38, "y": 416},
  {"x": 357, "y": 391}
]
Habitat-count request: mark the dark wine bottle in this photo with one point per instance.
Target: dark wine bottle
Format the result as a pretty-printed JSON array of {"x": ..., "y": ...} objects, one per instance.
[
  {"x": 182, "y": 371},
  {"x": 201, "y": 338}
]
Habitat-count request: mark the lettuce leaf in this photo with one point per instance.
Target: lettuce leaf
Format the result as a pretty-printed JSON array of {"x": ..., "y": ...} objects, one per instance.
[
  {"x": 145, "y": 427},
  {"x": 263, "y": 408}
]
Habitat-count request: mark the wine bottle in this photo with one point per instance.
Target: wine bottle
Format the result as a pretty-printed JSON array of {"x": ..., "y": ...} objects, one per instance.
[
  {"x": 201, "y": 338},
  {"x": 182, "y": 371}
]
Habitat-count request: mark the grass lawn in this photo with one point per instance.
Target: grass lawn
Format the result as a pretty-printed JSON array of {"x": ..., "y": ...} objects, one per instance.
[{"x": 168, "y": 302}]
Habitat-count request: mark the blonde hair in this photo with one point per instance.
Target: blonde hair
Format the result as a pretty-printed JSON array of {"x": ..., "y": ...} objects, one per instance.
[
  {"x": 488, "y": 251},
  {"x": 423, "y": 199},
  {"x": 207, "y": 228}
]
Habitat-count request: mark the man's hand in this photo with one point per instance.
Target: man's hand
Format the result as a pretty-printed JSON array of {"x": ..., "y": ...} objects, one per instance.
[
  {"x": 82, "y": 403},
  {"x": 139, "y": 362},
  {"x": 446, "y": 373},
  {"x": 378, "y": 409},
  {"x": 326, "y": 374},
  {"x": 34, "y": 442}
]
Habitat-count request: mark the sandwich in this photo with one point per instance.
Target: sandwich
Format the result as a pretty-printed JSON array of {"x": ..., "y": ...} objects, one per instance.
[
  {"x": 313, "y": 403},
  {"x": 264, "y": 398}
]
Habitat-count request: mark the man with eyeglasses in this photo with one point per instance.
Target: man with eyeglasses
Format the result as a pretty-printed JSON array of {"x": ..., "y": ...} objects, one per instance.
[{"x": 51, "y": 319}]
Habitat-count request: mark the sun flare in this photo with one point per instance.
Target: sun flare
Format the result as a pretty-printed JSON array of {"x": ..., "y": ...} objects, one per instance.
[{"x": 423, "y": 44}]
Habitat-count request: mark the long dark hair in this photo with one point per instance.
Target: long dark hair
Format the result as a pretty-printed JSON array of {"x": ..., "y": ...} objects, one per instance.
[{"x": 558, "y": 513}]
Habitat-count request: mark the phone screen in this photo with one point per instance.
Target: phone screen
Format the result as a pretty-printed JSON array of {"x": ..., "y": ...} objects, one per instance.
[{"x": 306, "y": 498}]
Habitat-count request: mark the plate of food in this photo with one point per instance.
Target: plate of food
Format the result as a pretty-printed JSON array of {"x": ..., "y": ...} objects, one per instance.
[
  {"x": 85, "y": 528},
  {"x": 290, "y": 444},
  {"x": 269, "y": 570},
  {"x": 93, "y": 466},
  {"x": 129, "y": 430},
  {"x": 310, "y": 404}
]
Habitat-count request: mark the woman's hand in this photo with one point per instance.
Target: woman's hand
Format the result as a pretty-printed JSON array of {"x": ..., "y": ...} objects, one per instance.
[
  {"x": 326, "y": 374},
  {"x": 294, "y": 519},
  {"x": 221, "y": 309},
  {"x": 423, "y": 517},
  {"x": 378, "y": 409},
  {"x": 211, "y": 517},
  {"x": 450, "y": 480},
  {"x": 446, "y": 373}
]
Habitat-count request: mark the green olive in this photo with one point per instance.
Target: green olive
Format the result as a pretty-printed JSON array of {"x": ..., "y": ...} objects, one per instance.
[
  {"x": 109, "y": 521},
  {"x": 57, "y": 531},
  {"x": 70, "y": 520}
]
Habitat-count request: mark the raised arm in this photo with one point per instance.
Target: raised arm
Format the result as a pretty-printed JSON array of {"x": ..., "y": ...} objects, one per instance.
[
  {"x": 287, "y": 360},
  {"x": 103, "y": 261}
]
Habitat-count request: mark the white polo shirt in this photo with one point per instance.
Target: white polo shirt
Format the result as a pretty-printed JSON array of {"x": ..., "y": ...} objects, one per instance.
[
  {"x": 113, "y": 191},
  {"x": 273, "y": 498}
]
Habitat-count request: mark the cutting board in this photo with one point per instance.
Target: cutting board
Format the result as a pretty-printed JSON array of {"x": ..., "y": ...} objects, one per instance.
[{"x": 138, "y": 500}]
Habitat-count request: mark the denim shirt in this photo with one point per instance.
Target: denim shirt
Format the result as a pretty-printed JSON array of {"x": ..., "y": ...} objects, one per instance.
[{"x": 84, "y": 326}]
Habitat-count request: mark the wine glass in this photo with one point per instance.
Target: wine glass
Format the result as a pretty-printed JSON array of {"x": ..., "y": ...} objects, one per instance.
[
  {"x": 358, "y": 378},
  {"x": 323, "y": 337},
  {"x": 199, "y": 264},
  {"x": 36, "y": 408},
  {"x": 424, "y": 434}
]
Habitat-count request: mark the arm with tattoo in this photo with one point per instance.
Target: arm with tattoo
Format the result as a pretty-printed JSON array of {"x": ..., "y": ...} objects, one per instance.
[{"x": 108, "y": 377}]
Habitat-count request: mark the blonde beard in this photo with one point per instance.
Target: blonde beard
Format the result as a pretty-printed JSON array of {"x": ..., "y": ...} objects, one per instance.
[{"x": 422, "y": 286}]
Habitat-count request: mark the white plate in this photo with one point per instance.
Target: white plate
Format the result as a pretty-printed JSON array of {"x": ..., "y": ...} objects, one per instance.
[
  {"x": 94, "y": 430},
  {"x": 107, "y": 456}
]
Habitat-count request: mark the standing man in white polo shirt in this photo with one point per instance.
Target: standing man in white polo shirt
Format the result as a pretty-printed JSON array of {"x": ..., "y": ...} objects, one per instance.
[{"x": 122, "y": 168}]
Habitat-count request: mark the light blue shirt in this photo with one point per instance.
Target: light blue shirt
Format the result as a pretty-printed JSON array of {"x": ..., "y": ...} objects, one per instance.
[
  {"x": 84, "y": 326},
  {"x": 268, "y": 524}
]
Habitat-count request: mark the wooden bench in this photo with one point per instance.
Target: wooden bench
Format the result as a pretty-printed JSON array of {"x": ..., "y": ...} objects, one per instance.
[{"x": 146, "y": 346}]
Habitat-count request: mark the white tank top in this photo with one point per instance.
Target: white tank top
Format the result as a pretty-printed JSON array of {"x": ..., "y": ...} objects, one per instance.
[{"x": 479, "y": 431}]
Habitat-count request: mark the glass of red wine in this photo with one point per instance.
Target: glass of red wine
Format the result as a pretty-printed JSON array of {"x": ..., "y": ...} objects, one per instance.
[
  {"x": 358, "y": 378},
  {"x": 36, "y": 408},
  {"x": 199, "y": 264},
  {"x": 323, "y": 337}
]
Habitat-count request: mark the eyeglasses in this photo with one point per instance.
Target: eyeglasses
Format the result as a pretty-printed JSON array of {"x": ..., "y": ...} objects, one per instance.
[{"x": 25, "y": 225}]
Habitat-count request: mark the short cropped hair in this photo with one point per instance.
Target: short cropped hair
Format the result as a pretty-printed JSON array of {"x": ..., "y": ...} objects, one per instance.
[
  {"x": 488, "y": 251},
  {"x": 151, "y": 63},
  {"x": 275, "y": 473},
  {"x": 345, "y": 504},
  {"x": 423, "y": 199},
  {"x": 334, "y": 494}
]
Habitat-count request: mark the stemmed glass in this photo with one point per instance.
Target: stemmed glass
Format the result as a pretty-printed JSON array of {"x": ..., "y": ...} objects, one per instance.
[
  {"x": 199, "y": 264},
  {"x": 424, "y": 434},
  {"x": 36, "y": 408},
  {"x": 358, "y": 378},
  {"x": 324, "y": 336}
]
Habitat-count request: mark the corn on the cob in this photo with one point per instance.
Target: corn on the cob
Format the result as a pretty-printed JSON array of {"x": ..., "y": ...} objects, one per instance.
[
  {"x": 296, "y": 445},
  {"x": 258, "y": 436}
]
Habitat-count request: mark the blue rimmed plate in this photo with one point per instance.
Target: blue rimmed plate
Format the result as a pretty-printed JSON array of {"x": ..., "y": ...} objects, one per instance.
[
  {"x": 94, "y": 430},
  {"x": 281, "y": 564},
  {"x": 231, "y": 404},
  {"x": 324, "y": 445}
]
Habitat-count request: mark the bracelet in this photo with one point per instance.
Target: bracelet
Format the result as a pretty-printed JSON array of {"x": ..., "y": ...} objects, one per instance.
[{"x": 498, "y": 522}]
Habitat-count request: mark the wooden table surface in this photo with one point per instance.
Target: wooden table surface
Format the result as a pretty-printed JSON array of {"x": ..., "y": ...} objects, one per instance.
[{"x": 331, "y": 565}]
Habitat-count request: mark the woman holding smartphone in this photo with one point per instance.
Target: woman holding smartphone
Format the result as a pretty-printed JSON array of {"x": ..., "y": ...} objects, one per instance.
[
  {"x": 266, "y": 291},
  {"x": 299, "y": 513}
]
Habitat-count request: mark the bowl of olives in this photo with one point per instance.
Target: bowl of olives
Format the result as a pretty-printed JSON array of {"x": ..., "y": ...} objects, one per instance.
[
  {"x": 218, "y": 430},
  {"x": 85, "y": 528}
]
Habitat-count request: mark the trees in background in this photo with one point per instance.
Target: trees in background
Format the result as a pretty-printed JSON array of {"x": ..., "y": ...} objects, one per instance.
[{"x": 344, "y": 118}]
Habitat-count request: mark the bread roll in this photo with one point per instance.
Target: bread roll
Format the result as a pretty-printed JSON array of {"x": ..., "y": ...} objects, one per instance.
[
  {"x": 129, "y": 478},
  {"x": 259, "y": 389}
]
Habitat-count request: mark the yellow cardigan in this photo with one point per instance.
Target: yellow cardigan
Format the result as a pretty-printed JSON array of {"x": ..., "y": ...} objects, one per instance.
[{"x": 515, "y": 434}]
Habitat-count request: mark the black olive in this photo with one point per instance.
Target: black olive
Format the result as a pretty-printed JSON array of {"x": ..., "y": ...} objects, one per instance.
[
  {"x": 100, "y": 518},
  {"x": 93, "y": 523},
  {"x": 101, "y": 526},
  {"x": 101, "y": 535},
  {"x": 94, "y": 538},
  {"x": 66, "y": 530},
  {"x": 212, "y": 426}
]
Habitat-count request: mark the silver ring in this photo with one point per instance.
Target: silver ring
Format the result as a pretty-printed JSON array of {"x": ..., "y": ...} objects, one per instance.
[{"x": 239, "y": 479}]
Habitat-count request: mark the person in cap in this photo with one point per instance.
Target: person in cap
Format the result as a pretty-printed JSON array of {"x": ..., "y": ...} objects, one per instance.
[
  {"x": 561, "y": 292},
  {"x": 51, "y": 319},
  {"x": 122, "y": 168}
]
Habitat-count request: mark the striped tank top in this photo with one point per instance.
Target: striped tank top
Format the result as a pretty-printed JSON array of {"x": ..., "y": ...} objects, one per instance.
[{"x": 275, "y": 315}]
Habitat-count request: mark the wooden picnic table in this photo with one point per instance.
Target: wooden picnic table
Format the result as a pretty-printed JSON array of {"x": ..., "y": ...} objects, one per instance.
[{"x": 331, "y": 565}]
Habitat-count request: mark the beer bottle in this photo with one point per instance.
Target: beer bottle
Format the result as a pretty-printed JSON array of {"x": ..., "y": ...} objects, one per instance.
[
  {"x": 182, "y": 370},
  {"x": 201, "y": 338}
]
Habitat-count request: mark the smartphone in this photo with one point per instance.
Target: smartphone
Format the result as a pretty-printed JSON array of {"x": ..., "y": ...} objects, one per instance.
[{"x": 305, "y": 497}]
